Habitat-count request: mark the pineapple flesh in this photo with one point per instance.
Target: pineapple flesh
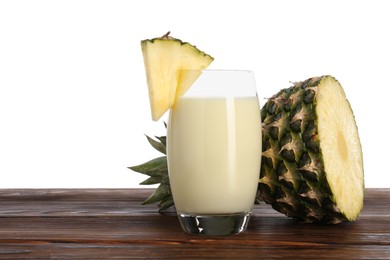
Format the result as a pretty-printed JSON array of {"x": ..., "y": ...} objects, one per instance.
[
  {"x": 312, "y": 163},
  {"x": 171, "y": 67}
]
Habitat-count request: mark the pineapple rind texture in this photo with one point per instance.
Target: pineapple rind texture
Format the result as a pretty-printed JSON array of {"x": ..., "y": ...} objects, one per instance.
[{"x": 293, "y": 177}]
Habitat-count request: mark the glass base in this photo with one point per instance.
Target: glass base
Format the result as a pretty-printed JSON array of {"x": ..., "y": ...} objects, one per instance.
[{"x": 214, "y": 225}]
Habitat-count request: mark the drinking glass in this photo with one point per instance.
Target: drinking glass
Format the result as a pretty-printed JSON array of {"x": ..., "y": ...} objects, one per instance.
[{"x": 214, "y": 152}]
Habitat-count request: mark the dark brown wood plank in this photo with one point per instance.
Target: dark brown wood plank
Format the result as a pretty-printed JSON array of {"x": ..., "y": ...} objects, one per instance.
[{"x": 104, "y": 224}]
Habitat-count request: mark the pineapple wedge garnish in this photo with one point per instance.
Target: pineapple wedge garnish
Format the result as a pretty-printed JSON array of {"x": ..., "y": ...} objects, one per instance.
[{"x": 171, "y": 67}]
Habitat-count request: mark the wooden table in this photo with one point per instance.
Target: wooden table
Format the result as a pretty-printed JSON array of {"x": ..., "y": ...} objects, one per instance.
[{"x": 111, "y": 224}]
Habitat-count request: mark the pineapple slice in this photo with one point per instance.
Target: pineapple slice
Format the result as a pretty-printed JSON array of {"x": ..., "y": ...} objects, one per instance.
[{"x": 171, "y": 67}]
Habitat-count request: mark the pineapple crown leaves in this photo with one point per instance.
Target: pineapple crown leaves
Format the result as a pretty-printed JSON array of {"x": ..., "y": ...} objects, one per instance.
[{"x": 157, "y": 170}]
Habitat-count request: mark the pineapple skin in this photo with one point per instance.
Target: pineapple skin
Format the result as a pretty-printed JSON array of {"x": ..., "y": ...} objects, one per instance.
[
  {"x": 293, "y": 179},
  {"x": 178, "y": 41}
]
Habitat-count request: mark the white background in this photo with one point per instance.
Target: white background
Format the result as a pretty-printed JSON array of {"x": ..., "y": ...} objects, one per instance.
[{"x": 74, "y": 105}]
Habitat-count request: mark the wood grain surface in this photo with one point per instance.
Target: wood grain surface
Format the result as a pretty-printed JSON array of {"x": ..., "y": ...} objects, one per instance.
[{"x": 112, "y": 224}]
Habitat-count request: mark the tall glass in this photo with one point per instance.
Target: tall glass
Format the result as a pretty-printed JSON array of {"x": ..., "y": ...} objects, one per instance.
[{"x": 214, "y": 152}]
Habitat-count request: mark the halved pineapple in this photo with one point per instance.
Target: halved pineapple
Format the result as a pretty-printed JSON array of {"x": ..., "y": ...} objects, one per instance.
[
  {"x": 312, "y": 165},
  {"x": 170, "y": 66}
]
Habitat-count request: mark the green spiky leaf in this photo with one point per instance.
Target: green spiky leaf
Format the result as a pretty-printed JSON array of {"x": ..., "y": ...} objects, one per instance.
[
  {"x": 159, "y": 146},
  {"x": 154, "y": 168},
  {"x": 157, "y": 170},
  {"x": 152, "y": 180},
  {"x": 163, "y": 140},
  {"x": 163, "y": 191},
  {"x": 166, "y": 203}
]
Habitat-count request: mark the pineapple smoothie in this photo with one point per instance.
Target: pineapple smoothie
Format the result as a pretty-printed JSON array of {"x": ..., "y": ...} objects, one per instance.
[{"x": 214, "y": 157}]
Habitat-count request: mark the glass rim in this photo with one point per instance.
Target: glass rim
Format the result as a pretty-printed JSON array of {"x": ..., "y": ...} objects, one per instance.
[
  {"x": 218, "y": 70},
  {"x": 221, "y": 83}
]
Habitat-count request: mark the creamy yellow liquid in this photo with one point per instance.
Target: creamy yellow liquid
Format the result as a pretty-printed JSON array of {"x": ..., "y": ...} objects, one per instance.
[{"x": 214, "y": 154}]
